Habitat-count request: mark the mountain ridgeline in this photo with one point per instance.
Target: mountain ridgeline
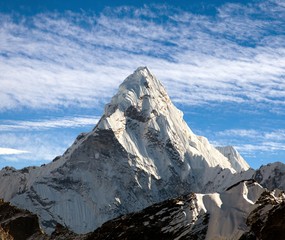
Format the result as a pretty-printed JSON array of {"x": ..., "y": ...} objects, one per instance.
[{"x": 141, "y": 153}]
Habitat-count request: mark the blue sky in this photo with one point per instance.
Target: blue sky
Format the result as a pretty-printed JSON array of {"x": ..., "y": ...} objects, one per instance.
[{"x": 222, "y": 62}]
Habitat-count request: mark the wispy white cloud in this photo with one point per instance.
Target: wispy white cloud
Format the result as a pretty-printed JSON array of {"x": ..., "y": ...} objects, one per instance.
[
  {"x": 34, "y": 147},
  {"x": 264, "y": 147},
  {"x": 11, "y": 151},
  {"x": 53, "y": 59},
  {"x": 277, "y": 134},
  {"x": 246, "y": 133},
  {"x": 39, "y": 146},
  {"x": 73, "y": 122},
  {"x": 251, "y": 140}
]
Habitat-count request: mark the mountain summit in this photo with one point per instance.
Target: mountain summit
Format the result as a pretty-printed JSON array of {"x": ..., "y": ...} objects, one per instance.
[
  {"x": 141, "y": 152},
  {"x": 148, "y": 125}
]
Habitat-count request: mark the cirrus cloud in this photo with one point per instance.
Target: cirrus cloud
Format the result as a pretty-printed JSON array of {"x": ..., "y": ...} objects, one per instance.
[
  {"x": 44, "y": 124},
  {"x": 11, "y": 151},
  {"x": 74, "y": 59}
]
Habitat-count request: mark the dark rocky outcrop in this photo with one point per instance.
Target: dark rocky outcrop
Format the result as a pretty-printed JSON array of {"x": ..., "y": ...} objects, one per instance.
[
  {"x": 267, "y": 221},
  {"x": 18, "y": 224},
  {"x": 160, "y": 221}
]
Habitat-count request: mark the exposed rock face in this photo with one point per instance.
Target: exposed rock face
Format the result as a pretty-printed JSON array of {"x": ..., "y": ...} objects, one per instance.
[
  {"x": 141, "y": 152},
  {"x": 17, "y": 224},
  {"x": 171, "y": 219},
  {"x": 271, "y": 176},
  {"x": 267, "y": 221}
]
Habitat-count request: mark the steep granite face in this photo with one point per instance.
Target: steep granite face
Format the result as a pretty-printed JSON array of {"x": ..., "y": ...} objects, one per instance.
[{"x": 141, "y": 152}]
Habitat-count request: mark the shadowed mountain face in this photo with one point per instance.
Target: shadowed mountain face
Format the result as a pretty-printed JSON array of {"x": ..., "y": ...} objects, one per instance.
[
  {"x": 140, "y": 153},
  {"x": 267, "y": 220},
  {"x": 17, "y": 224}
]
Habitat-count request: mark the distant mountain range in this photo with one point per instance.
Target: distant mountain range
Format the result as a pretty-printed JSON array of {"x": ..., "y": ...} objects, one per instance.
[{"x": 142, "y": 173}]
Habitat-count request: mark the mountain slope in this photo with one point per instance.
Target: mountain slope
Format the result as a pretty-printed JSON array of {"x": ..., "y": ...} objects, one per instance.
[
  {"x": 244, "y": 209},
  {"x": 141, "y": 152}
]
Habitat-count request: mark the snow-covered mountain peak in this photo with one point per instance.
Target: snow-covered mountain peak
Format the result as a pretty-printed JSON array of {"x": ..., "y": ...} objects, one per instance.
[
  {"x": 148, "y": 125},
  {"x": 141, "y": 152},
  {"x": 141, "y": 96},
  {"x": 234, "y": 157}
]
